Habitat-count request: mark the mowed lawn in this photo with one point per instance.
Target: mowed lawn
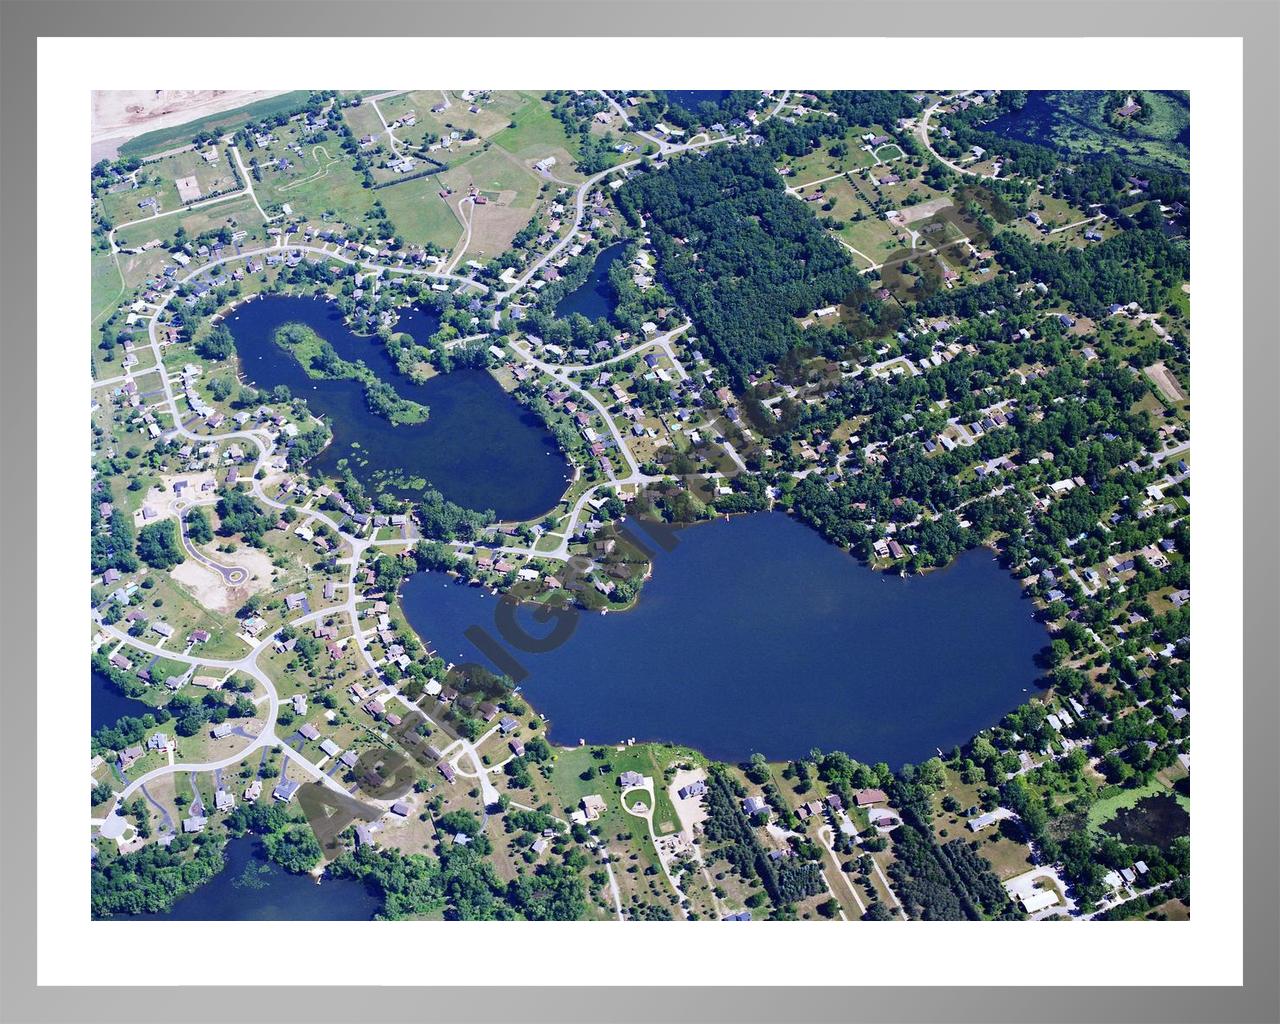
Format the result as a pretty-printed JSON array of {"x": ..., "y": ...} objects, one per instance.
[{"x": 646, "y": 758}]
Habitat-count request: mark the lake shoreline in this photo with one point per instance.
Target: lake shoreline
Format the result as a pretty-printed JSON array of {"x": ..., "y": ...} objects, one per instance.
[{"x": 653, "y": 709}]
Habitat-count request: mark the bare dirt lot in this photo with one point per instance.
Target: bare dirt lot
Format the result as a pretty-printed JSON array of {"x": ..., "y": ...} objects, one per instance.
[
  {"x": 1164, "y": 380},
  {"x": 122, "y": 114},
  {"x": 212, "y": 591}
]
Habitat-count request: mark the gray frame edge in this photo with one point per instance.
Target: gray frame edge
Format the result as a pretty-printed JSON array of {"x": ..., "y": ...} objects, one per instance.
[{"x": 1256, "y": 21}]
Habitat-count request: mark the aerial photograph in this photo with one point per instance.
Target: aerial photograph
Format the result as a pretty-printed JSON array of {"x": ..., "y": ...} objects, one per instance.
[{"x": 640, "y": 505}]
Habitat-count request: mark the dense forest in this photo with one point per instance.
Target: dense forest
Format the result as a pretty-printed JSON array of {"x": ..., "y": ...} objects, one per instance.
[
  {"x": 1135, "y": 266},
  {"x": 152, "y": 879},
  {"x": 463, "y": 885},
  {"x": 739, "y": 253}
]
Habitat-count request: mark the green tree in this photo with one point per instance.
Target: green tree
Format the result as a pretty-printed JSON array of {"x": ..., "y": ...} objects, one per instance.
[
  {"x": 295, "y": 848},
  {"x": 198, "y": 527},
  {"x": 217, "y": 344},
  {"x": 158, "y": 545}
]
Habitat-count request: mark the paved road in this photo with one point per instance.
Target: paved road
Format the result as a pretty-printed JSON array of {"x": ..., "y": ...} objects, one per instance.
[
  {"x": 232, "y": 575},
  {"x": 922, "y": 132}
]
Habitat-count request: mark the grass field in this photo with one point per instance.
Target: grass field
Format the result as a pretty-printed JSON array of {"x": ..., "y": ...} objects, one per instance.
[
  {"x": 106, "y": 291},
  {"x": 1106, "y": 808},
  {"x": 491, "y": 117},
  {"x": 364, "y": 120},
  {"x": 319, "y": 187},
  {"x": 418, "y": 212},
  {"x": 536, "y": 133},
  {"x": 493, "y": 170},
  {"x": 872, "y": 236},
  {"x": 819, "y": 163},
  {"x": 238, "y": 212},
  {"x": 228, "y": 120}
]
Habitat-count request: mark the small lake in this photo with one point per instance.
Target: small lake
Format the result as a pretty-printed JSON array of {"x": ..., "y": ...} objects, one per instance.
[
  {"x": 252, "y": 888},
  {"x": 107, "y": 705},
  {"x": 692, "y": 99},
  {"x": 757, "y": 635},
  {"x": 1034, "y": 123},
  {"x": 594, "y": 297},
  {"x": 479, "y": 446}
]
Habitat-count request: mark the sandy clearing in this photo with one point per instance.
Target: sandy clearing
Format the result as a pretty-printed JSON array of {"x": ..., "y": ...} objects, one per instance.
[
  {"x": 691, "y": 812},
  {"x": 123, "y": 114},
  {"x": 209, "y": 588},
  {"x": 919, "y": 211},
  {"x": 1165, "y": 381}
]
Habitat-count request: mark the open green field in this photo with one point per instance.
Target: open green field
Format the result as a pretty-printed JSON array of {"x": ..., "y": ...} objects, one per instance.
[
  {"x": 323, "y": 186},
  {"x": 905, "y": 194},
  {"x": 819, "y": 163},
  {"x": 494, "y": 171},
  {"x": 872, "y": 236},
  {"x": 1108, "y": 807},
  {"x": 364, "y": 120},
  {"x": 419, "y": 214},
  {"x": 106, "y": 289},
  {"x": 122, "y": 207},
  {"x": 227, "y": 121},
  {"x": 492, "y": 116},
  {"x": 536, "y": 134}
]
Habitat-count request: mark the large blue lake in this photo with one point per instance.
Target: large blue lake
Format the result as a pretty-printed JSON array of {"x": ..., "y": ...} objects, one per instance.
[
  {"x": 594, "y": 297},
  {"x": 757, "y": 635},
  {"x": 479, "y": 447}
]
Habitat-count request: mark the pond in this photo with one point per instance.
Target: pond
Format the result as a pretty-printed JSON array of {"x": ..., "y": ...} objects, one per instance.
[
  {"x": 252, "y": 888},
  {"x": 1034, "y": 123},
  {"x": 594, "y": 297},
  {"x": 1154, "y": 821},
  {"x": 757, "y": 635},
  {"x": 479, "y": 446},
  {"x": 417, "y": 322},
  {"x": 692, "y": 99},
  {"x": 107, "y": 705}
]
